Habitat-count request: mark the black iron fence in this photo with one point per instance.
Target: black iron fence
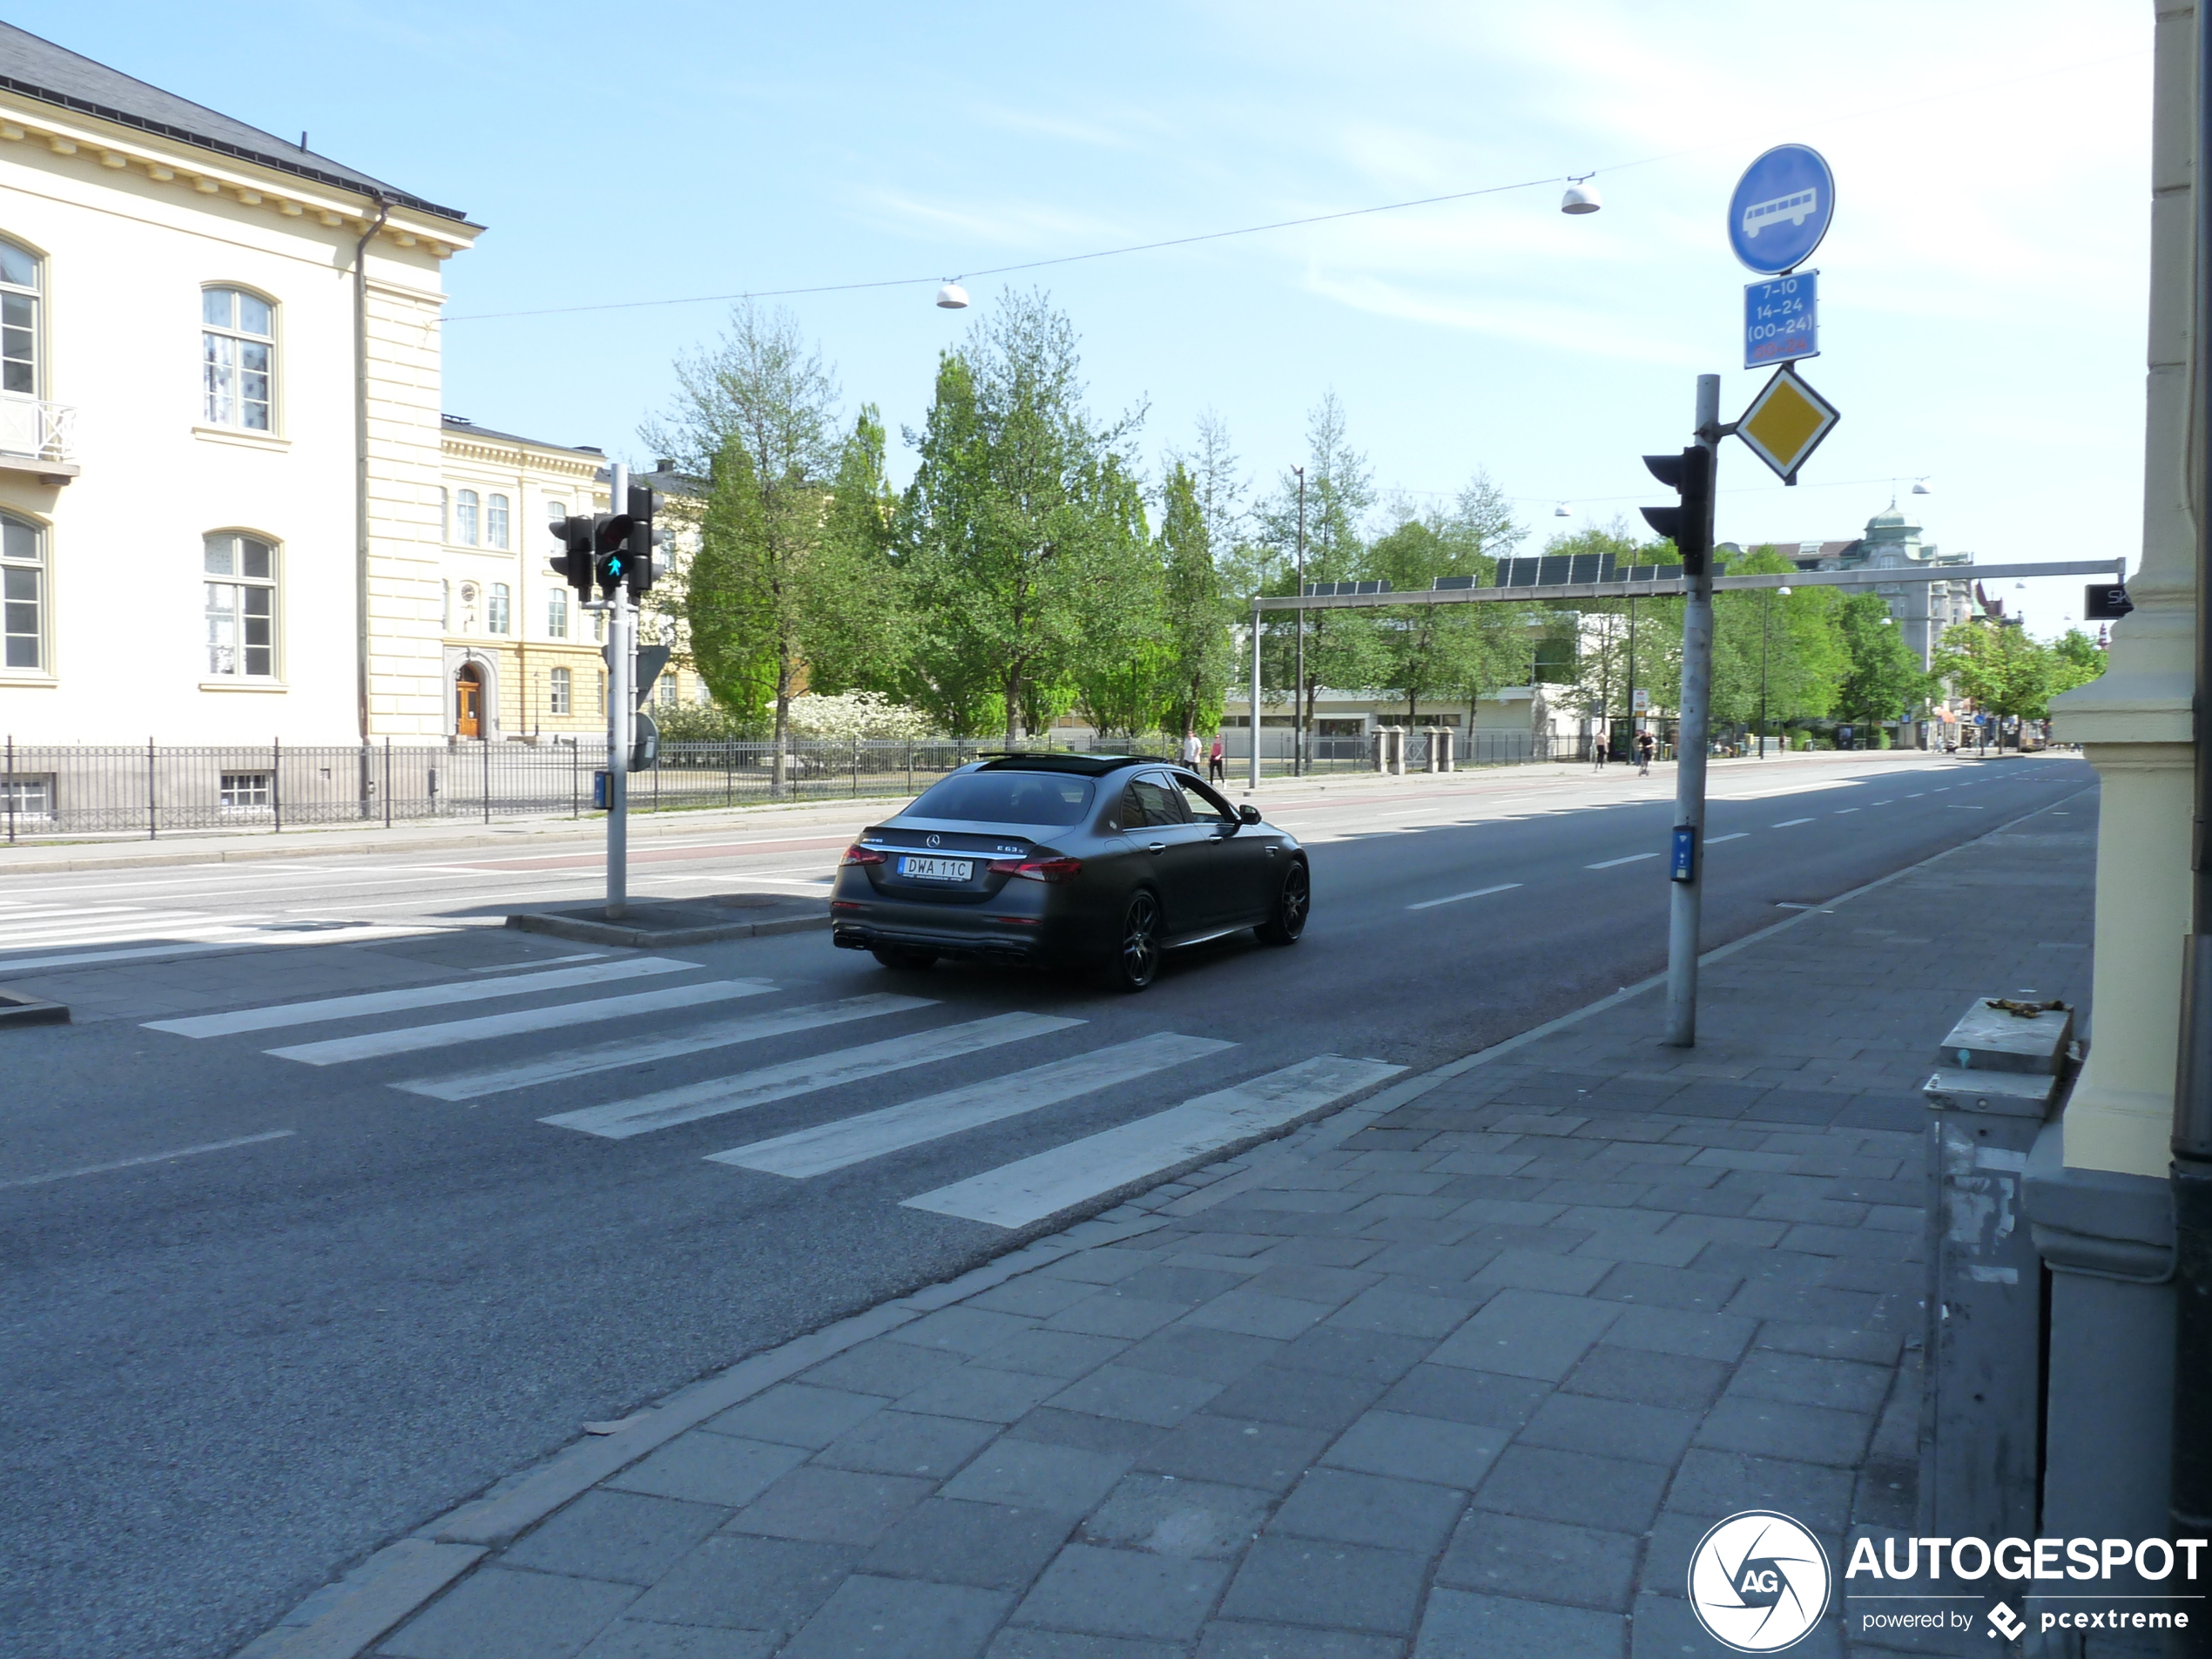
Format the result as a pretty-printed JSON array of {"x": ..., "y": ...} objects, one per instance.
[{"x": 80, "y": 790}]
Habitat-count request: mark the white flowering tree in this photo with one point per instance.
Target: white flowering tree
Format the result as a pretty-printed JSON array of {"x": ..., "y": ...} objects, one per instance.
[{"x": 856, "y": 714}]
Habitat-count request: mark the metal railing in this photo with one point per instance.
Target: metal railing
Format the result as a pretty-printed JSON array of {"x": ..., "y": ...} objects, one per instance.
[
  {"x": 29, "y": 426},
  {"x": 78, "y": 791}
]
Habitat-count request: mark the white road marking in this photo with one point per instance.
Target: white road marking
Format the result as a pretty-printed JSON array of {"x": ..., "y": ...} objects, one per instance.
[
  {"x": 151, "y": 1157},
  {"x": 413, "y": 996},
  {"x": 1480, "y": 893},
  {"x": 1953, "y": 807},
  {"x": 543, "y": 961},
  {"x": 408, "y": 1038},
  {"x": 1715, "y": 840},
  {"x": 1030, "y": 1188},
  {"x": 1789, "y": 822},
  {"x": 855, "y": 1140},
  {"x": 619, "y": 1120},
  {"x": 624, "y": 1051},
  {"x": 182, "y": 928},
  {"x": 1633, "y": 858},
  {"x": 1921, "y": 796}
]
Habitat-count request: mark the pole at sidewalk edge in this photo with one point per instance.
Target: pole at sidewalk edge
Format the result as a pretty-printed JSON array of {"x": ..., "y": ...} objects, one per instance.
[
  {"x": 1252, "y": 774},
  {"x": 620, "y": 720},
  {"x": 2190, "y": 1472},
  {"x": 1684, "y": 891}
]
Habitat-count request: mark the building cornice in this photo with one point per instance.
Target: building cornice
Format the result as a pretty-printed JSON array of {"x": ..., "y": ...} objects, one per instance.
[
  {"x": 494, "y": 452},
  {"x": 120, "y": 146}
]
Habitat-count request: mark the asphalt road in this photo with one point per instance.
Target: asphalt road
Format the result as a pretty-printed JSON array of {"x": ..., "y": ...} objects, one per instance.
[{"x": 233, "y": 1373}]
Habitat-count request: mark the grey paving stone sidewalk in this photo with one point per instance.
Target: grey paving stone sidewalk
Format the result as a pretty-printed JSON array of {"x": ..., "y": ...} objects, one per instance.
[{"x": 1467, "y": 1376}]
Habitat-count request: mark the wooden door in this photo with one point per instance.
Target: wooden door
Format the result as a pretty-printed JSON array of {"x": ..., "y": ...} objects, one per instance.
[{"x": 469, "y": 703}]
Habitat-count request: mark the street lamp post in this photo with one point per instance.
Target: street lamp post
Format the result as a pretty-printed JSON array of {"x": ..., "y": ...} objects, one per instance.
[
  {"x": 1298, "y": 694},
  {"x": 1766, "y": 608}
]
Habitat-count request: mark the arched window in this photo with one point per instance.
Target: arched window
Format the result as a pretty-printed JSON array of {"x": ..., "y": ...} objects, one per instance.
[
  {"x": 239, "y": 608},
  {"x": 22, "y": 593},
  {"x": 557, "y": 614},
  {"x": 495, "y": 608},
  {"x": 464, "y": 526},
  {"x": 20, "y": 270},
  {"x": 237, "y": 359},
  {"x": 558, "y": 700},
  {"x": 496, "y": 522}
]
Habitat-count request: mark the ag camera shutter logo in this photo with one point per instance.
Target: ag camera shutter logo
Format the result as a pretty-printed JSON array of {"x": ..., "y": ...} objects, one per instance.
[{"x": 1759, "y": 1582}]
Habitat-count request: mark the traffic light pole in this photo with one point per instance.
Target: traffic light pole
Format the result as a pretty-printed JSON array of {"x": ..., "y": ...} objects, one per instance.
[
  {"x": 620, "y": 722},
  {"x": 1690, "y": 745}
]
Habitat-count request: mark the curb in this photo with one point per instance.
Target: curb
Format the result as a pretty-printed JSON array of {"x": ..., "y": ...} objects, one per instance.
[
  {"x": 346, "y": 1618},
  {"x": 607, "y": 933},
  {"x": 21, "y": 1007}
]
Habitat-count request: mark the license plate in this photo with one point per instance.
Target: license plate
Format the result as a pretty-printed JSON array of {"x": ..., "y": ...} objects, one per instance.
[{"x": 936, "y": 869}]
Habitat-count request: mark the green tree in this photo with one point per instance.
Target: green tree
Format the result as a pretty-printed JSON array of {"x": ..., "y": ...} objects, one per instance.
[
  {"x": 1794, "y": 638},
  {"x": 1121, "y": 669},
  {"x": 1197, "y": 639},
  {"x": 861, "y": 632},
  {"x": 1999, "y": 666},
  {"x": 2079, "y": 660},
  {"x": 754, "y": 416},
  {"x": 1017, "y": 494},
  {"x": 1340, "y": 645},
  {"x": 1883, "y": 680},
  {"x": 1455, "y": 650}
]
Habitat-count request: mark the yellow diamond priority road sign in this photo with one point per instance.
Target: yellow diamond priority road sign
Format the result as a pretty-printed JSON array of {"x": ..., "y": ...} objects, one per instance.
[{"x": 1785, "y": 423}]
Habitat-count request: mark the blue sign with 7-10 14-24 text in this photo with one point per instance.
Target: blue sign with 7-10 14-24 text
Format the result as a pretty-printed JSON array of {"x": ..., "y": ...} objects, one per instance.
[
  {"x": 1781, "y": 318},
  {"x": 1781, "y": 208}
]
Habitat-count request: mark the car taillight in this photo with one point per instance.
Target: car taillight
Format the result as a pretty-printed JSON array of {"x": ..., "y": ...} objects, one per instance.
[
  {"x": 858, "y": 854},
  {"x": 1038, "y": 869}
]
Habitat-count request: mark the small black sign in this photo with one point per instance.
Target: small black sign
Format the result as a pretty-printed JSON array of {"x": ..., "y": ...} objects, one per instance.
[{"x": 2106, "y": 602}]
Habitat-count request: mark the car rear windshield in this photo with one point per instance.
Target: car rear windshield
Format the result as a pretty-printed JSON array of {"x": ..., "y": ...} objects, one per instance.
[{"x": 1006, "y": 798}]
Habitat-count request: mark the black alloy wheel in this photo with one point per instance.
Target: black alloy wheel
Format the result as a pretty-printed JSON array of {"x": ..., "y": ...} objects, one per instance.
[
  {"x": 1291, "y": 905},
  {"x": 1136, "y": 959},
  {"x": 909, "y": 960}
]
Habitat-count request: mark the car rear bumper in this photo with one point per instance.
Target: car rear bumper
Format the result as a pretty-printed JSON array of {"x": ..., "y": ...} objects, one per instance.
[{"x": 977, "y": 935}]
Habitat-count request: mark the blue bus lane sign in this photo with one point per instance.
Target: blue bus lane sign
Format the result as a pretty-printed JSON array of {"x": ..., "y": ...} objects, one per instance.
[{"x": 1781, "y": 319}]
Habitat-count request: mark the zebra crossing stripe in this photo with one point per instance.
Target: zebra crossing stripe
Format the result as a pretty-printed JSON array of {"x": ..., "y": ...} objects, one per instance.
[
  {"x": 174, "y": 923},
  {"x": 854, "y": 1140},
  {"x": 413, "y": 996},
  {"x": 629, "y": 1051},
  {"x": 619, "y": 1120},
  {"x": 1032, "y": 1189},
  {"x": 408, "y": 1038},
  {"x": 240, "y": 939}
]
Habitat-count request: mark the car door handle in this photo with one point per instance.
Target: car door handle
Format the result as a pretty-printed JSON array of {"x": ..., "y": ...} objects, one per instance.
[{"x": 1157, "y": 846}]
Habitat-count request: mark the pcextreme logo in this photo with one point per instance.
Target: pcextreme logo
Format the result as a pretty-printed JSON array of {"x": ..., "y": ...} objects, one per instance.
[{"x": 1758, "y": 1581}]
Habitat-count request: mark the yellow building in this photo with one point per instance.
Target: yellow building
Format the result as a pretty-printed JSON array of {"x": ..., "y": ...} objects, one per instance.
[{"x": 522, "y": 659}]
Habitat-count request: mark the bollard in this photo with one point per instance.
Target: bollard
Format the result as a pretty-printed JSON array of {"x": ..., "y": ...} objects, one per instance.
[{"x": 1998, "y": 1075}]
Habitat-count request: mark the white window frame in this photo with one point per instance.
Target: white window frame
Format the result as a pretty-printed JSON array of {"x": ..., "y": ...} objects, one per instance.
[
  {"x": 556, "y": 613},
  {"x": 498, "y": 607},
  {"x": 467, "y": 509},
  {"x": 560, "y": 692},
  {"x": 227, "y": 376},
  {"x": 230, "y": 596},
  {"x": 495, "y": 519},
  {"x": 246, "y": 792},
  {"x": 24, "y": 298},
  {"x": 24, "y": 582}
]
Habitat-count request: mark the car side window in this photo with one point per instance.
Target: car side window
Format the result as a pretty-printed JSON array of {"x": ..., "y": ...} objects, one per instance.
[
  {"x": 1201, "y": 805},
  {"x": 1150, "y": 804}
]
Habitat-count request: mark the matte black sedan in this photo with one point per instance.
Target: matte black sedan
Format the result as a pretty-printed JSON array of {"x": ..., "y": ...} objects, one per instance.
[{"x": 1073, "y": 861}]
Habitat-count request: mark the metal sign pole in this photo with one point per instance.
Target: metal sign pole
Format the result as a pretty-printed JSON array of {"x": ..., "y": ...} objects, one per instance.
[
  {"x": 619, "y": 723},
  {"x": 1689, "y": 751},
  {"x": 1251, "y": 775}
]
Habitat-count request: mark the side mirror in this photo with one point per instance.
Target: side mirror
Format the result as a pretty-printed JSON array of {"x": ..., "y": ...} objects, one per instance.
[{"x": 1248, "y": 814}]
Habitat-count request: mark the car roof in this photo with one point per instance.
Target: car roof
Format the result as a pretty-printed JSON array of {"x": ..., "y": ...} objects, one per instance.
[{"x": 1087, "y": 765}]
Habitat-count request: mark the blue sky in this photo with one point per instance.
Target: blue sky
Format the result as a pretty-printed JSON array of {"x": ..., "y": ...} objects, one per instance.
[{"x": 1983, "y": 287}]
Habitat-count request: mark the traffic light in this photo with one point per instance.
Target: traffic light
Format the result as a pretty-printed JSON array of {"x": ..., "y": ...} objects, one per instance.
[
  {"x": 610, "y": 550},
  {"x": 1689, "y": 526},
  {"x": 643, "y": 539},
  {"x": 574, "y": 561}
]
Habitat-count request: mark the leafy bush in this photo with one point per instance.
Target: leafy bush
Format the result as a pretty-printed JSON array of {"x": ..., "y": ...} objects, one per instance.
[{"x": 856, "y": 714}]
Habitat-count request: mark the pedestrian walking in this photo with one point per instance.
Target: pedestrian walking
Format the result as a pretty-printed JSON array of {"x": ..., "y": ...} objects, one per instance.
[
  {"x": 1598, "y": 752},
  {"x": 1191, "y": 749},
  {"x": 1216, "y": 772},
  {"x": 1647, "y": 746}
]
